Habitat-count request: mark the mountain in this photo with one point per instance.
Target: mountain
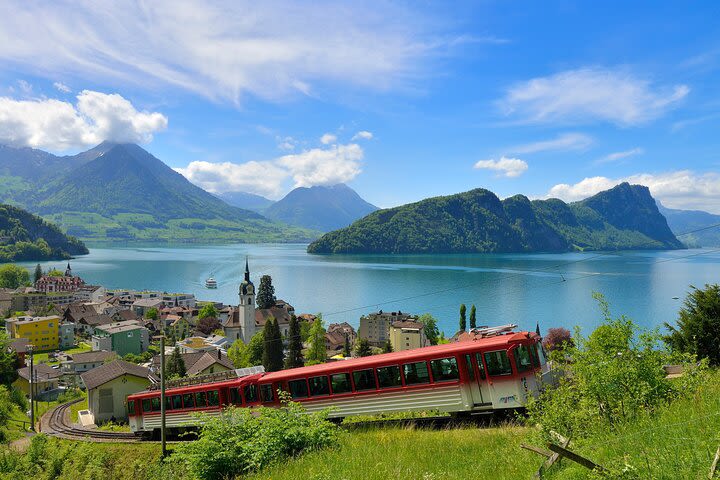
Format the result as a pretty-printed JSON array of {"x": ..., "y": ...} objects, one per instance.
[
  {"x": 624, "y": 217},
  {"x": 248, "y": 201},
  {"x": 122, "y": 192},
  {"x": 320, "y": 208},
  {"x": 683, "y": 221},
  {"x": 27, "y": 237}
]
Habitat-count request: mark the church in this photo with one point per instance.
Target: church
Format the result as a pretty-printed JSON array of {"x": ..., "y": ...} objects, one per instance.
[{"x": 240, "y": 323}]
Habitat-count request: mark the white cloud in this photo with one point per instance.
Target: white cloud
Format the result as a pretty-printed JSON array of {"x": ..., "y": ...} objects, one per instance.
[
  {"x": 563, "y": 142},
  {"x": 614, "y": 157},
  {"x": 683, "y": 189},
  {"x": 363, "y": 135},
  {"x": 318, "y": 166},
  {"x": 61, "y": 87},
  {"x": 25, "y": 87},
  {"x": 590, "y": 94},
  {"x": 58, "y": 125},
  {"x": 224, "y": 50},
  {"x": 507, "y": 167},
  {"x": 328, "y": 138}
]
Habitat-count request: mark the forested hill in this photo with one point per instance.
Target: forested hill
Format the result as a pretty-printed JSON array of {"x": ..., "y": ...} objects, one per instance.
[
  {"x": 624, "y": 217},
  {"x": 24, "y": 236}
]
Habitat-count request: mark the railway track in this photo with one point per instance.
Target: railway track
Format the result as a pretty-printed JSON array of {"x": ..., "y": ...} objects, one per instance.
[{"x": 57, "y": 423}]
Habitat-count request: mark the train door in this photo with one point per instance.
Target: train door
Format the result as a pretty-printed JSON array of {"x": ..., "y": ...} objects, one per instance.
[{"x": 478, "y": 383}]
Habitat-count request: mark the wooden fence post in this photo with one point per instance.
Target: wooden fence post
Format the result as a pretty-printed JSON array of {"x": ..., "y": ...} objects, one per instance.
[
  {"x": 714, "y": 464},
  {"x": 587, "y": 463}
]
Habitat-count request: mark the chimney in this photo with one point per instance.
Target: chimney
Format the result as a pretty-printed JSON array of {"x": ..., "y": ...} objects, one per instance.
[{"x": 219, "y": 354}]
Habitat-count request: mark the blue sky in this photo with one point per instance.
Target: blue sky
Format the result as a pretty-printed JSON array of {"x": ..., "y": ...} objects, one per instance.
[{"x": 400, "y": 100}]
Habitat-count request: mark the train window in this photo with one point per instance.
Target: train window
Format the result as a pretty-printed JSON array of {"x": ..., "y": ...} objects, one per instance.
[
  {"x": 168, "y": 403},
  {"x": 364, "y": 380},
  {"x": 469, "y": 366},
  {"x": 340, "y": 383},
  {"x": 319, "y": 386},
  {"x": 298, "y": 388},
  {"x": 177, "y": 401},
  {"x": 188, "y": 400},
  {"x": 131, "y": 407},
  {"x": 235, "y": 396},
  {"x": 213, "y": 398},
  {"x": 416, "y": 373},
  {"x": 250, "y": 392},
  {"x": 523, "y": 362},
  {"x": 146, "y": 405},
  {"x": 444, "y": 369},
  {"x": 389, "y": 377},
  {"x": 200, "y": 399},
  {"x": 155, "y": 401},
  {"x": 481, "y": 365},
  {"x": 534, "y": 355},
  {"x": 266, "y": 393},
  {"x": 498, "y": 363}
]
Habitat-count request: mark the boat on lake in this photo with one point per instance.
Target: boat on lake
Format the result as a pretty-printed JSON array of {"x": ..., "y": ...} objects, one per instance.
[{"x": 211, "y": 283}]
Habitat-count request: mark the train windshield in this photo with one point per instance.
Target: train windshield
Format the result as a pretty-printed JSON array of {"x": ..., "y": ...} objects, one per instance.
[
  {"x": 523, "y": 359},
  {"x": 131, "y": 407}
]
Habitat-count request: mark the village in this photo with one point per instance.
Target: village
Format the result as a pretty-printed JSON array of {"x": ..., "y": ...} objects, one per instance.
[{"x": 73, "y": 338}]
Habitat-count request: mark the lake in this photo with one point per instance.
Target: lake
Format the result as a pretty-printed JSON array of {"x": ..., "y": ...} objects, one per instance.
[{"x": 552, "y": 289}]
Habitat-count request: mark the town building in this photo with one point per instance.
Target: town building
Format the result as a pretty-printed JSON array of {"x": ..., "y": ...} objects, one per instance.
[
  {"x": 29, "y": 299},
  {"x": 345, "y": 329},
  {"x": 90, "y": 294},
  {"x": 42, "y": 332},
  {"x": 45, "y": 380},
  {"x": 143, "y": 305},
  {"x": 77, "y": 363},
  {"x": 375, "y": 327},
  {"x": 5, "y": 300},
  {"x": 66, "y": 335},
  {"x": 109, "y": 385},
  {"x": 89, "y": 323},
  {"x": 281, "y": 311},
  {"x": 406, "y": 335},
  {"x": 203, "y": 344},
  {"x": 199, "y": 363},
  {"x": 121, "y": 338},
  {"x": 241, "y": 322},
  {"x": 65, "y": 283},
  {"x": 20, "y": 347}
]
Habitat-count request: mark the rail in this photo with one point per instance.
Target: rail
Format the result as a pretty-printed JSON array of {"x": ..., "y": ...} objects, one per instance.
[{"x": 55, "y": 423}]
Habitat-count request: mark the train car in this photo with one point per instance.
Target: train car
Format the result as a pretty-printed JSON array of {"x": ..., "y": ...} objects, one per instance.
[{"x": 492, "y": 372}]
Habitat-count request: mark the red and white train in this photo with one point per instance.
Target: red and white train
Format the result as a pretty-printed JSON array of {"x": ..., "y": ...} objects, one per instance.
[{"x": 485, "y": 374}]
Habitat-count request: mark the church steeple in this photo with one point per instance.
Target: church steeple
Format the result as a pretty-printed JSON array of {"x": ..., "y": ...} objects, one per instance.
[
  {"x": 246, "y": 308},
  {"x": 247, "y": 271},
  {"x": 68, "y": 270}
]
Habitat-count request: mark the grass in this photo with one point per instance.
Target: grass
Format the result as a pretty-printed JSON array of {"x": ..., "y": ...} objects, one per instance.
[
  {"x": 44, "y": 357},
  {"x": 76, "y": 407}
]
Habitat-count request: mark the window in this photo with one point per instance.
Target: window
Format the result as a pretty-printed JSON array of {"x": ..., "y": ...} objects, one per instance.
[
  {"x": 131, "y": 407},
  {"x": 444, "y": 369},
  {"x": 188, "y": 400},
  {"x": 340, "y": 383},
  {"x": 200, "y": 399},
  {"x": 416, "y": 373},
  {"x": 298, "y": 388},
  {"x": 523, "y": 362},
  {"x": 481, "y": 365},
  {"x": 469, "y": 366},
  {"x": 389, "y": 377},
  {"x": 250, "y": 392},
  {"x": 155, "y": 401},
  {"x": 541, "y": 353},
  {"x": 498, "y": 363},
  {"x": 213, "y": 398},
  {"x": 266, "y": 393},
  {"x": 177, "y": 401},
  {"x": 168, "y": 403},
  {"x": 319, "y": 386},
  {"x": 364, "y": 380},
  {"x": 235, "y": 396}
]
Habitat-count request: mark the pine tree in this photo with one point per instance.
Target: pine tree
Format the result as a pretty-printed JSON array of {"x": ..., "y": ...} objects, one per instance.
[
  {"x": 266, "y": 293},
  {"x": 387, "y": 348},
  {"x": 272, "y": 358},
  {"x": 175, "y": 367},
  {"x": 317, "y": 353},
  {"x": 473, "y": 320},
  {"x": 463, "y": 321},
  {"x": 362, "y": 347},
  {"x": 38, "y": 272},
  {"x": 294, "y": 357},
  {"x": 346, "y": 350}
]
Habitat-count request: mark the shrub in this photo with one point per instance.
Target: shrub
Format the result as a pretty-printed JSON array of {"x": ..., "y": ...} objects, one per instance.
[
  {"x": 241, "y": 441},
  {"x": 558, "y": 339},
  {"x": 698, "y": 325}
]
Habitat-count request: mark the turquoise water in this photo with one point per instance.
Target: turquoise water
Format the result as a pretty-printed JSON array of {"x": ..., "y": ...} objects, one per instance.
[{"x": 506, "y": 288}]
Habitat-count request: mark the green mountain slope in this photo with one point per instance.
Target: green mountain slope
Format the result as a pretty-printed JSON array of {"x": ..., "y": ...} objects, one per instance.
[
  {"x": 320, "y": 208},
  {"x": 24, "y": 236},
  {"x": 624, "y": 217}
]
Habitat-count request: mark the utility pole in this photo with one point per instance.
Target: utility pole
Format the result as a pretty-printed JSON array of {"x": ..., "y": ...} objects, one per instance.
[
  {"x": 32, "y": 389},
  {"x": 162, "y": 395}
]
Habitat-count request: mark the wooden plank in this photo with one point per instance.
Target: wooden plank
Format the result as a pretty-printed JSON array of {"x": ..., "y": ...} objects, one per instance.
[
  {"x": 714, "y": 465},
  {"x": 587, "y": 463},
  {"x": 538, "y": 450},
  {"x": 559, "y": 438},
  {"x": 555, "y": 456}
]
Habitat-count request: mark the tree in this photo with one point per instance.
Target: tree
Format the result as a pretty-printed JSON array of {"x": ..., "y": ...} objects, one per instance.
[
  {"x": 54, "y": 272},
  {"x": 294, "y": 357},
  {"x": 362, "y": 347},
  {"x": 239, "y": 354},
  {"x": 431, "y": 329},
  {"x": 698, "y": 325},
  {"x": 317, "y": 352},
  {"x": 256, "y": 347},
  {"x": 207, "y": 325},
  {"x": 387, "y": 348},
  {"x": 152, "y": 313},
  {"x": 473, "y": 320},
  {"x": 305, "y": 330},
  {"x": 558, "y": 339},
  {"x": 175, "y": 367},
  {"x": 208, "y": 311},
  {"x": 463, "y": 321},
  {"x": 38, "y": 272},
  {"x": 266, "y": 293},
  {"x": 8, "y": 360},
  {"x": 272, "y": 358},
  {"x": 12, "y": 276},
  {"x": 346, "y": 350}
]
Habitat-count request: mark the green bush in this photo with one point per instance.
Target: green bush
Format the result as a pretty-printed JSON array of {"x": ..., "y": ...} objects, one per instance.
[{"x": 240, "y": 441}]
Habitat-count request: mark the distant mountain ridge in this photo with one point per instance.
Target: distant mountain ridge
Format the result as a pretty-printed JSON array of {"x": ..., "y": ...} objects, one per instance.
[
  {"x": 248, "y": 201},
  {"x": 624, "y": 217},
  {"x": 323, "y": 208},
  {"x": 27, "y": 237},
  {"x": 681, "y": 222}
]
